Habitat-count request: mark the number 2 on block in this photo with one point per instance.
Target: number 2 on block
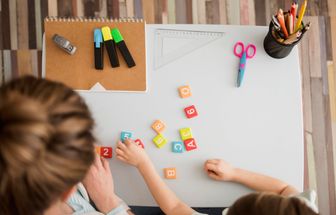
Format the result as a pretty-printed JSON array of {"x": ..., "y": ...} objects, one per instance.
[{"x": 106, "y": 152}]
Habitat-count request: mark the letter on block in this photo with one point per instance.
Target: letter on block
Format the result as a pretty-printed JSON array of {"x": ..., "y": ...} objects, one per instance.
[
  {"x": 190, "y": 111},
  {"x": 106, "y": 152},
  {"x": 190, "y": 144},
  {"x": 160, "y": 141},
  {"x": 124, "y": 135},
  {"x": 140, "y": 143},
  {"x": 158, "y": 126},
  {"x": 184, "y": 91},
  {"x": 177, "y": 147},
  {"x": 185, "y": 133},
  {"x": 170, "y": 173}
]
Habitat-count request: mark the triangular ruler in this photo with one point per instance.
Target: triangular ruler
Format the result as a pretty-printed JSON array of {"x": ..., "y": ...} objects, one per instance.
[{"x": 172, "y": 44}]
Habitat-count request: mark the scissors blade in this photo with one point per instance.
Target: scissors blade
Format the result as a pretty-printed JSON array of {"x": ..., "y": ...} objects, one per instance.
[{"x": 240, "y": 77}]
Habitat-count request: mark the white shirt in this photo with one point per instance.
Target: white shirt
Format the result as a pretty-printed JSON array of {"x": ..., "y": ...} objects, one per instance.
[{"x": 80, "y": 203}]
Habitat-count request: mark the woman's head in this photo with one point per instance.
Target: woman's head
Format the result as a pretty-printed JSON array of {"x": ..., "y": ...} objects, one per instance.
[
  {"x": 46, "y": 144},
  {"x": 267, "y": 203}
]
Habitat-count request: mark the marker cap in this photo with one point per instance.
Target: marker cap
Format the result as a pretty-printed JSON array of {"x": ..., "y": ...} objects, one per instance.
[
  {"x": 98, "y": 37},
  {"x": 106, "y": 33},
  {"x": 117, "y": 35}
]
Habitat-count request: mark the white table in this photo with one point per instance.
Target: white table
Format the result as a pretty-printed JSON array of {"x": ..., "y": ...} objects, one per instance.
[{"x": 258, "y": 127}]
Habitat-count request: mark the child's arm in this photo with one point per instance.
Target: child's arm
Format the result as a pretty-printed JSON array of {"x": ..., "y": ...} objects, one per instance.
[
  {"x": 167, "y": 200},
  {"x": 223, "y": 171}
]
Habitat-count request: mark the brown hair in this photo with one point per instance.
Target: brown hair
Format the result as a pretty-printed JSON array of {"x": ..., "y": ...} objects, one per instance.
[
  {"x": 267, "y": 203},
  {"x": 46, "y": 144}
]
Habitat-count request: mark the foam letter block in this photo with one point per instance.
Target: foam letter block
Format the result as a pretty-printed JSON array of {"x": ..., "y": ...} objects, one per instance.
[
  {"x": 160, "y": 141},
  {"x": 140, "y": 143},
  {"x": 106, "y": 152},
  {"x": 190, "y": 111},
  {"x": 177, "y": 147},
  {"x": 124, "y": 135},
  {"x": 158, "y": 126},
  {"x": 170, "y": 173},
  {"x": 190, "y": 144},
  {"x": 185, "y": 133},
  {"x": 97, "y": 148},
  {"x": 184, "y": 91}
]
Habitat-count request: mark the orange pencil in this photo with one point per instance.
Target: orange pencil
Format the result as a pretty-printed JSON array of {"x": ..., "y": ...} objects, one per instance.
[{"x": 281, "y": 20}]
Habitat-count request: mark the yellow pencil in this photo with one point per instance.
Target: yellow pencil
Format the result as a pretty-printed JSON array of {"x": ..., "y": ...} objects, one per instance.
[{"x": 301, "y": 14}]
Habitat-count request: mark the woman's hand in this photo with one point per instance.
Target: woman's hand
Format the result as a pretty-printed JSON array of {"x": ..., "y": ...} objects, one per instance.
[
  {"x": 131, "y": 153},
  {"x": 219, "y": 170},
  {"x": 99, "y": 185}
]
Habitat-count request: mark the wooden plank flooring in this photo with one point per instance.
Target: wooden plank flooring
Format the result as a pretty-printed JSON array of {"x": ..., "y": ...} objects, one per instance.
[{"x": 21, "y": 28}]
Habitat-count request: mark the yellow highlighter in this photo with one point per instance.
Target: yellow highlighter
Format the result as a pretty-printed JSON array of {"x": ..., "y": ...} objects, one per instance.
[
  {"x": 301, "y": 14},
  {"x": 110, "y": 46}
]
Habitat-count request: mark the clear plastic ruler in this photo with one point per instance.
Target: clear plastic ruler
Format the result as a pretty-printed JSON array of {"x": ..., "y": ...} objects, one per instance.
[{"x": 172, "y": 44}]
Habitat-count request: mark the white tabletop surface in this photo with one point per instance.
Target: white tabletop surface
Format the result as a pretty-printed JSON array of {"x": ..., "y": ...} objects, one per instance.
[{"x": 258, "y": 126}]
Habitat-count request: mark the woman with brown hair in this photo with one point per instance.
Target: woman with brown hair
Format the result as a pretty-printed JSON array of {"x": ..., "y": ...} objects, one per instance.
[{"x": 46, "y": 149}]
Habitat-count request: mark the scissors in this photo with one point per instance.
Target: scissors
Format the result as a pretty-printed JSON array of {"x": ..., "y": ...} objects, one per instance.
[{"x": 243, "y": 54}]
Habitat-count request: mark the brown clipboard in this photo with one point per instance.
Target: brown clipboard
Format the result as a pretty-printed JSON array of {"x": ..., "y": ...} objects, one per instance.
[{"x": 78, "y": 71}]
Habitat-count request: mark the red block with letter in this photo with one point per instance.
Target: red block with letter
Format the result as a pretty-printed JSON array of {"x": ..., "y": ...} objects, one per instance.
[
  {"x": 190, "y": 111},
  {"x": 190, "y": 144},
  {"x": 106, "y": 152},
  {"x": 140, "y": 143}
]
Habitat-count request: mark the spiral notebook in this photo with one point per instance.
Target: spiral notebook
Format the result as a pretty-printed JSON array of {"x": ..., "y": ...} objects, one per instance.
[{"x": 78, "y": 70}]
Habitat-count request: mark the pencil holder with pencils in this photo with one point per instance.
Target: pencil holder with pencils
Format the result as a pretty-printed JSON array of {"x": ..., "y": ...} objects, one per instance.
[
  {"x": 285, "y": 31},
  {"x": 276, "y": 48}
]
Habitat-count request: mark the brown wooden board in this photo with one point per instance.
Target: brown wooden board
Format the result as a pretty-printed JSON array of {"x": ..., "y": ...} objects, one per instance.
[
  {"x": 5, "y": 25},
  {"x": 31, "y": 24},
  {"x": 1, "y": 68}
]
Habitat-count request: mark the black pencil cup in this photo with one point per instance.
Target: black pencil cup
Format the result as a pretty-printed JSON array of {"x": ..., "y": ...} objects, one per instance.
[{"x": 276, "y": 49}]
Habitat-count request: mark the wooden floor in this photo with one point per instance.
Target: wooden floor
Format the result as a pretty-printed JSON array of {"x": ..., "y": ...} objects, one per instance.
[{"x": 21, "y": 30}]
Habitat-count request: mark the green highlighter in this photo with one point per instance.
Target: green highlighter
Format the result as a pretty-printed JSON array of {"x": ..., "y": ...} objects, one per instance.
[{"x": 120, "y": 43}]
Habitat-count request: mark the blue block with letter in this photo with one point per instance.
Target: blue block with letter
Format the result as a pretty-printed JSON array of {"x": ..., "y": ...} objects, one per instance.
[
  {"x": 124, "y": 135},
  {"x": 177, "y": 147}
]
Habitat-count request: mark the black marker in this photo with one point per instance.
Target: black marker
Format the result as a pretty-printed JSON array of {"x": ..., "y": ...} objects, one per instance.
[
  {"x": 122, "y": 47},
  {"x": 108, "y": 40},
  {"x": 98, "y": 49}
]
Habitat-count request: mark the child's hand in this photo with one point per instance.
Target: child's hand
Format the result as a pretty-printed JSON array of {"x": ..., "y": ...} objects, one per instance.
[
  {"x": 219, "y": 170},
  {"x": 99, "y": 185},
  {"x": 131, "y": 153}
]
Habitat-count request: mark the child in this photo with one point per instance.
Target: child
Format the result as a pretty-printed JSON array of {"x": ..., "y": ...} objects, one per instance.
[
  {"x": 276, "y": 197},
  {"x": 46, "y": 149}
]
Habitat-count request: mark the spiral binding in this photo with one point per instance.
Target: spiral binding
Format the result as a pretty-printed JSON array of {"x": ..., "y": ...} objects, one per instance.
[{"x": 98, "y": 19}]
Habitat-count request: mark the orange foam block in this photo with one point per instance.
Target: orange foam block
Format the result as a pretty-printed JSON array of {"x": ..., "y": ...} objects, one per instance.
[
  {"x": 184, "y": 91},
  {"x": 158, "y": 126},
  {"x": 169, "y": 173}
]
